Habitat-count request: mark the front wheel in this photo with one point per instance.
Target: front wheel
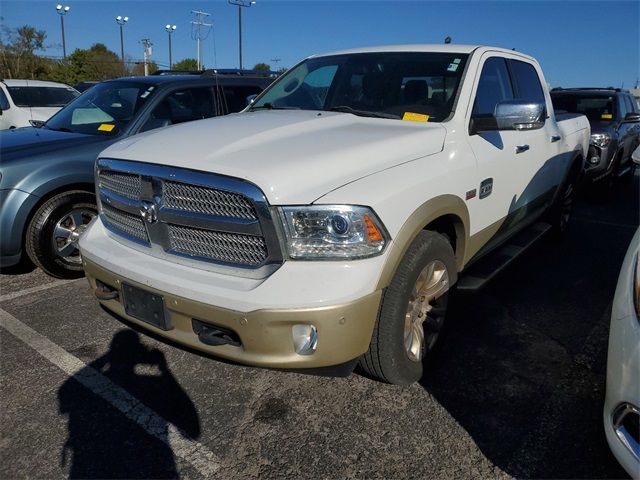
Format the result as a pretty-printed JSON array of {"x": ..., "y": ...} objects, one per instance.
[
  {"x": 560, "y": 214},
  {"x": 53, "y": 233},
  {"x": 412, "y": 312}
]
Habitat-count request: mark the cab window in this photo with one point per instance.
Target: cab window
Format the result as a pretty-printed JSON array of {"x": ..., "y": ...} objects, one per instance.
[
  {"x": 527, "y": 82},
  {"x": 494, "y": 86}
]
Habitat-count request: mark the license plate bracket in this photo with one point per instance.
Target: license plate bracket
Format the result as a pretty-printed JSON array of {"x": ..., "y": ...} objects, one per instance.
[{"x": 145, "y": 306}]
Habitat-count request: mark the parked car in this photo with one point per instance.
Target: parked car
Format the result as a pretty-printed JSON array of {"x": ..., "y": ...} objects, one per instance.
[
  {"x": 615, "y": 129},
  {"x": 23, "y": 102},
  {"x": 46, "y": 185},
  {"x": 622, "y": 404},
  {"x": 327, "y": 223},
  {"x": 84, "y": 86}
]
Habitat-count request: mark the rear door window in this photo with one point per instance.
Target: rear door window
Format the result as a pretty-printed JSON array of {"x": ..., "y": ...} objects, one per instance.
[
  {"x": 494, "y": 86},
  {"x": 234, "y": 97},
  {"x": 181, "y": 106}
]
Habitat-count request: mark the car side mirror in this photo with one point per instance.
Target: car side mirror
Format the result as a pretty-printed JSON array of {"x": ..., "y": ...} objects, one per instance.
[
  {"x": 251, "y": 98},
  {"x": 520, "y": 115},
  {"x": 632, "y": 117}
]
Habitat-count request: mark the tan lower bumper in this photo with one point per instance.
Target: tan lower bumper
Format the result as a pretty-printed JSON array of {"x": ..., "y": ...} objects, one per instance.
[{"x": 344, "y": 331}]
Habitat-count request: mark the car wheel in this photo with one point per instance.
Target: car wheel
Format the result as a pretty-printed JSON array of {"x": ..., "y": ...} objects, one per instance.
[
  {"x": 560, "y": 214},
  {"x": 52, "y": 234},
  {"x": 412, "y": 312}
]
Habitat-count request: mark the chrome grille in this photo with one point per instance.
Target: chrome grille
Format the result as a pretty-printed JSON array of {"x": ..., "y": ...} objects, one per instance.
[
  {"x": 125, "y": 184},
  {"x": 194, "y": 198},
  {"x": 132, "y": 225},
  {"x": 219, "y": 246}
]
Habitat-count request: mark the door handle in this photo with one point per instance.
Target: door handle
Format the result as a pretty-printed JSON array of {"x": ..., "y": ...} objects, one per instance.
[
  {"x": 556, "y": 138},
  {"x": 522, "y": 148}
]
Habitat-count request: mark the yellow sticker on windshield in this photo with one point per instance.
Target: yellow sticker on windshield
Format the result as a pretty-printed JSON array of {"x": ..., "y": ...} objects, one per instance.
[
  {"x": 415, "y": 117},
  {"x": 606, "y": 116},
  {"x": 106, "y": 127}
]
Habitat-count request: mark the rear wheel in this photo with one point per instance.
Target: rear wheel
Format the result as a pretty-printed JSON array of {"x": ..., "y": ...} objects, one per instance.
[
  {"x": 53, "y": 233},
  {"x": 413, "y": 311}
]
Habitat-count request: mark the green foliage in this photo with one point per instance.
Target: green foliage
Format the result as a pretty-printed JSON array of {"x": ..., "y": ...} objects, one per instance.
[
  {"x": 95, "y": 63},
  {"x": 17, "y": 53},
  {"x": 263, "y": 67},
  {"x": 186, "y": 64}
]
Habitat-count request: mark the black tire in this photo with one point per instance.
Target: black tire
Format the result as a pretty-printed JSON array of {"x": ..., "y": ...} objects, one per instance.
[
  {"x": 387, "y": 358},
  {"x": 40, "y": 245},
  {"x": 560, "y": 214}
]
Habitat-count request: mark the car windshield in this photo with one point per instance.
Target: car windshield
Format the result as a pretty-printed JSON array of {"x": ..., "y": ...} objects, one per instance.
[
  {"x": 106, "y": 109},
  {"x": 594, "y": 107},
  {"x": 397, "y": 85},
  {"x": 42, "y": 96}
]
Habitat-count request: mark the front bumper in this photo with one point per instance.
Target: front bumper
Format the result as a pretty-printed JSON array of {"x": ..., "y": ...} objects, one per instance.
[
  {"x": 331, "y": 296},
  {"x": 599, "y": 163}
]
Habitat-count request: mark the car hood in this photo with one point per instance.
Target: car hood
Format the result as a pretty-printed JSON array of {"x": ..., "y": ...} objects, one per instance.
[
  {"x": 295, "y": 157},
  {"x": 601, "y": 127},
  {"x": 29, "y": 141}
]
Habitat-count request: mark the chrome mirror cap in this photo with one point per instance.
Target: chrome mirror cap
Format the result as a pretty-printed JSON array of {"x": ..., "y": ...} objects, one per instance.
[{"x": 520, "y": 115}]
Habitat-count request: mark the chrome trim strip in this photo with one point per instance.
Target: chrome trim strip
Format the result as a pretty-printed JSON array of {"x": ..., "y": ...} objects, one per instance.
[{"x": 152, "y": 178}]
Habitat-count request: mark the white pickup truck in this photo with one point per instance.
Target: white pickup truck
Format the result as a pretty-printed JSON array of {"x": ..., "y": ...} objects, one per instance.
[{"x": 326, "y": 224}]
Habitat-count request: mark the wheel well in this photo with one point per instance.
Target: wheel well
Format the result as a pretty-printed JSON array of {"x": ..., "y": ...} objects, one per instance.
[
  {"x": 87, "y": 187},
  {"x": 450, "y": 226}
]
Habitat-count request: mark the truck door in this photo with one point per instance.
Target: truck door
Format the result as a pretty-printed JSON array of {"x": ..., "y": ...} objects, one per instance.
[{"x": 500, "y": 177}]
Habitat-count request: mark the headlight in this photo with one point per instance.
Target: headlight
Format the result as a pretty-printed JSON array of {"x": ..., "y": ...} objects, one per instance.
[
  {"x": 600, "y": 139},
  {"x": 326, "y": 232}
]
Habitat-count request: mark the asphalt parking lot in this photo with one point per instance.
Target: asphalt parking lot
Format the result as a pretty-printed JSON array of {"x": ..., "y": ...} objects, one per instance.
[{"x": 515, "y": 391}]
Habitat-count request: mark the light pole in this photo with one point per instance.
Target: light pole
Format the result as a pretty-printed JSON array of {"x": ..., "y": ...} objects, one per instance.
[
  {"x": 120, "y": 20},
  {"x": 62, "y": 11},
  {"x": 241, "y": 4},
  {"x": 170, "y": 29}
]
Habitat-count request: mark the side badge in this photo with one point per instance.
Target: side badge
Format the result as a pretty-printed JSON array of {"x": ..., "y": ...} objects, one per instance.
[
  {"x": 486, "y": 187},
  {"x": 471, "y": 194}
]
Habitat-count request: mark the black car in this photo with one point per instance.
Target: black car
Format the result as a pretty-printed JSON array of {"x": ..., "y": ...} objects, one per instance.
[
  {"x": 46, "y": 173},
  {"x": 615, "y": 129}
]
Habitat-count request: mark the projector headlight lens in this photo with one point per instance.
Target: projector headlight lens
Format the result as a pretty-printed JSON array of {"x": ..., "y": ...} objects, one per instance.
[{"x": 332, "y": 232}]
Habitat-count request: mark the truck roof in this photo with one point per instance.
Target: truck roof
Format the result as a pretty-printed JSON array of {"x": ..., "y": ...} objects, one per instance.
[{"x": 421, "y": 47}]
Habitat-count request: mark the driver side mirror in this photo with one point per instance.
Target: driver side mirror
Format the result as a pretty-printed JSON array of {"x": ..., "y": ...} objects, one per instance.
[
  {"x": 520, "y": 115},
  {"x": 251, "y": 98}
]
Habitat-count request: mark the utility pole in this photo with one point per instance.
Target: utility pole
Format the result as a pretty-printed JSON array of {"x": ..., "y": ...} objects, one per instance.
[
  {"x": 146, "y": 54},
  {"x": 276, "y": 61},
  {"x": 198, "y": 23},
  {"x": 240, "y": 4}
]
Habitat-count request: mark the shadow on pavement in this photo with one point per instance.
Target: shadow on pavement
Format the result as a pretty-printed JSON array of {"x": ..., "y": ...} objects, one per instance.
[
  {"x": 523, "y": 363},
  {"x": 103, "y": 443}
]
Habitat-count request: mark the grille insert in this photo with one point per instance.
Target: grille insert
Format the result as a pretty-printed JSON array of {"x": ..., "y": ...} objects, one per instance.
[
  {"x": 219, "y": 246},
  {"x": 125, "y": 184},
  {"x": 194, "y": 198},
  {"x": 131, "y": 225}
]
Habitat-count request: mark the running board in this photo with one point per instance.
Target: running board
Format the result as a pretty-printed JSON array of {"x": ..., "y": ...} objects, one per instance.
[
  {"x": 480, "y": 273},
  {"x": 624, "y": 171}
]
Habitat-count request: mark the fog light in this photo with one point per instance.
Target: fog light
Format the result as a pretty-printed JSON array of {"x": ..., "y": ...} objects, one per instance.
[
  {"x": 305, "y": 339},
  {"x": 594, "y": 160}
]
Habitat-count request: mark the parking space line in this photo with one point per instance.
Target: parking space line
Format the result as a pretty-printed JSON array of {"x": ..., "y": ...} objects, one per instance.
[
  {"x": 188, "y": 449},
  {"x": 39, "y": 288}
]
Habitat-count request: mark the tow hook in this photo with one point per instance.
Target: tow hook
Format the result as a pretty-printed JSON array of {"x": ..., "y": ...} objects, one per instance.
[
  {"x": 105, "y": 292},
  {"x": 215, "y": 336}
]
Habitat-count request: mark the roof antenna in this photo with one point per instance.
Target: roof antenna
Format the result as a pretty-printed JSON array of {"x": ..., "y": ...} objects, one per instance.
[{"x": 447, "y": 40}]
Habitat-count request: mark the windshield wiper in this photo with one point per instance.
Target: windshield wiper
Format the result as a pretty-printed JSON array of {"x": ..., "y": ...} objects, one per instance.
[
  {"x": 362, "y": 113},
  {"x": 270, "y": 106}
]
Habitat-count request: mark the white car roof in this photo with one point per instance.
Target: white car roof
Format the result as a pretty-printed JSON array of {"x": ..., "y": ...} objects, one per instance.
[
  {"x": 33, "y": 83},
  {"x": 424, "y": 47}
]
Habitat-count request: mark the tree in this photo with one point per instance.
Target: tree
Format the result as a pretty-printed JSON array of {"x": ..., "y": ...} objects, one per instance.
[
  {"x": 262, "y": 67},
  {"x": 186, "y": 64},
  {"x": 17, "y": 53},
  {"x": 95, "y": 63}
]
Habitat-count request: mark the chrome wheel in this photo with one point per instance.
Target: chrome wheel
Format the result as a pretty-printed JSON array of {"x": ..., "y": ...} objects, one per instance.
[
  {"x": 426, "y": 310},
  {"x": 67, "y": 232}
]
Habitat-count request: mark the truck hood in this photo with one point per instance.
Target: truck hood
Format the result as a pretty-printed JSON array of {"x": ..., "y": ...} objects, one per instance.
[{"x": 295, "y": 157}]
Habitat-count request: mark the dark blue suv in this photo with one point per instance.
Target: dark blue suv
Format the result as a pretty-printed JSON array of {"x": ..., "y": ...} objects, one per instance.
[{"x": 46, "y": 173}]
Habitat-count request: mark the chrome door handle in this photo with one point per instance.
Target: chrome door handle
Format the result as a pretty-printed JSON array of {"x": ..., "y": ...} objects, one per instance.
[
  {"x": 522, "y": 148},
  {"x": 556, "y": 138}
]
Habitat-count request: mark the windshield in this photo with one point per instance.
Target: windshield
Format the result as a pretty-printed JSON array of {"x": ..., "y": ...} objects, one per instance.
[
  {"x": 106, "y": 109},
  {"x": 41, "y": 96},
  {"x": 410, "y": 85},
  {"x": 594, "y": 107}
]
